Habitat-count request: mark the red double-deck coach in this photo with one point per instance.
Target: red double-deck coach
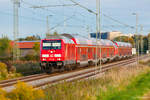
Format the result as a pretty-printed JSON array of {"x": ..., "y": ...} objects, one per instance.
[{"x": 68, "y": 52}]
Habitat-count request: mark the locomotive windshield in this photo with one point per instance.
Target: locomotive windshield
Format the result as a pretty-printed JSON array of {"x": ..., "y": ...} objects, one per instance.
[{"x": 51, "y": 44}]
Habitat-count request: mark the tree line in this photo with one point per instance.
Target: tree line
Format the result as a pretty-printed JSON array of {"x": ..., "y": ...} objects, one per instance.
[
  {"x": 6, "y": 47},
  {"x": 137, "y": 41}
]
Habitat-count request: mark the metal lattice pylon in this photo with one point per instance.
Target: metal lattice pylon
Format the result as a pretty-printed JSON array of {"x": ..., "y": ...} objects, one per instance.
[{"x": 16, "y": 51}]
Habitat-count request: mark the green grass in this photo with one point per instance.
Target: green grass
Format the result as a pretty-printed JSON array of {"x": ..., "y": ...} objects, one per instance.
[
  {"x": 137, "y": 88},
  {"x": 119, "y": 84}
]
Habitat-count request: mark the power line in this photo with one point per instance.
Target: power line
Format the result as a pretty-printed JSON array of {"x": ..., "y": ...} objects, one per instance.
[
  {"x": 113, "y": 26},
  {"x": 89, "y": 10},
  {"x": 35, "y": 5},
  {"x": 63, "y": 21},
  {"x": 64, "y": 5},
  {"x": 24, "y": 17},
  {"x": 43, "y": 8},
  {"x": 118, "y": 21},
  {"x": 29, "y": 10},
  {"x": 103, "y": 14},
  {"x": 79, "y": 26},
  {"x": 52, "y": 6}
]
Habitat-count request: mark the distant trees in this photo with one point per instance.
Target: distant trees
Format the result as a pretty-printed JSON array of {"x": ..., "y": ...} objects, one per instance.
[
  {"x": 149, "y": 41},
  {"x": 5, "y": 47},
  {"x": 142, "y": 41},
  {"x": 125, "y": 39},
  {"x": 55, "y": 33},
  {"x": 36, "y": 37},
  {"x": 36, "y": 48},
  {"x": 145, "y": 44},
  {"x": 149, "y": 35},
  {"x": 30, "y": 38}
]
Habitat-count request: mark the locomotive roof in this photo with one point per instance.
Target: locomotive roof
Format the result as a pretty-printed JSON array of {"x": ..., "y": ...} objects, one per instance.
[
  {"x": 124, "y": 44},
  {"x": 64, "y": 38}
]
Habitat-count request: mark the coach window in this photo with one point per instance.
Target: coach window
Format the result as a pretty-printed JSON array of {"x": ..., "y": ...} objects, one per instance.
[
  {"x": 99, "y": 51},
  {"x": 72, "y": 51},
  {"x": 104, "y": 51},
  {"x": 69, "y": 51},
  {"x": 120, "y": 51},
  {"x": 94, "y": 51},
  {"x": 89, "y": 50},
  {"x": 110, "y": 52}
]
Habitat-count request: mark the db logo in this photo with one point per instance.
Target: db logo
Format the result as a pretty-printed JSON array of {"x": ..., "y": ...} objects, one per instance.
[{"x": 50, "y": 51}]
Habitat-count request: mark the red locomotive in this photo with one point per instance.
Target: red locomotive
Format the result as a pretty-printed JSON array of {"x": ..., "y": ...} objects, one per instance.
[{"x": 67, "y": 52}]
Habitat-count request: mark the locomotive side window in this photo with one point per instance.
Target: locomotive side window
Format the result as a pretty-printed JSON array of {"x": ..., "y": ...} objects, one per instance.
[{"x": 51, "y": 44}]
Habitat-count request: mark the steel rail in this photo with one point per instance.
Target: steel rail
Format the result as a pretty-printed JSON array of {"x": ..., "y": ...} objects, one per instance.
[{"x": 40, "y": 80}]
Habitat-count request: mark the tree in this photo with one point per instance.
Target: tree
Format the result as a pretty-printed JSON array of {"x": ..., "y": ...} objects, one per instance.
[
  {"x": 55, "y": 33},
  {"x": 149, "y": 35},
  {"x": 148, "y": 41},
  {"x": 5, "y": 47},
  {"x": 36, "y": 48},
  {"x": 30, "y": 38},
  {"x": 125, "y": 39},
  {"x": 145, "y": 44}
]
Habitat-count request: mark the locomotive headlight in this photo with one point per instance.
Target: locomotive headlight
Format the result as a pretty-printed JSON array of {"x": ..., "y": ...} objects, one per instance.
[
  {"x": 45, "y": 55},
  {"x": 57, "y": 55}
]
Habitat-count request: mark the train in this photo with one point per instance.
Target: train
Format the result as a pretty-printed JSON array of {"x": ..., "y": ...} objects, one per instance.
[{"x": 67, "y": 52}]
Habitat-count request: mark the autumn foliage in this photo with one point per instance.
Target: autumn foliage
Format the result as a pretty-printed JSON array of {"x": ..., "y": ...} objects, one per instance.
[{"x": 22, "y": 91}]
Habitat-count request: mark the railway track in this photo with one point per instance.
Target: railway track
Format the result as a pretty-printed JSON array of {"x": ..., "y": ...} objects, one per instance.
[{"x": 41, "y": 80}]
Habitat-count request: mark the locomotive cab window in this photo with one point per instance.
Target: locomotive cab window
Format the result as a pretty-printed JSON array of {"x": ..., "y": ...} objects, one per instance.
[{"x": 51, "y": 44}]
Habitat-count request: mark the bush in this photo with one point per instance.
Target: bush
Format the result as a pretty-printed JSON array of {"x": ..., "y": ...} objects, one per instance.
[
  {"x": 30, "y": 57},
  {"x": 5, "y": 48},
  {"x": 3, "y": 71},
  {"x": 25, "y": 92},
  {"x": 27, "y": 68},
  {"x": 22, "y": 92},
  {"x": 3, "y": 95}
]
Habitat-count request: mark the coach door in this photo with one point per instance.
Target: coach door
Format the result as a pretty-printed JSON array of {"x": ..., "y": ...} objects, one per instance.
[{"x": 78, "y": 54}]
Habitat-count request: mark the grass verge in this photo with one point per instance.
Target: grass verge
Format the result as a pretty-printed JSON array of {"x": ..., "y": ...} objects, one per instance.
[
  {"x": 126, "y": 83},
  {"x": 133, "y": 91},
  {"x": 22, "y": 91}
]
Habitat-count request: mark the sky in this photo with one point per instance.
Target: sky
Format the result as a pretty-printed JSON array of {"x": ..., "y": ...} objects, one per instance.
[{"x": 74, "y": 19}]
